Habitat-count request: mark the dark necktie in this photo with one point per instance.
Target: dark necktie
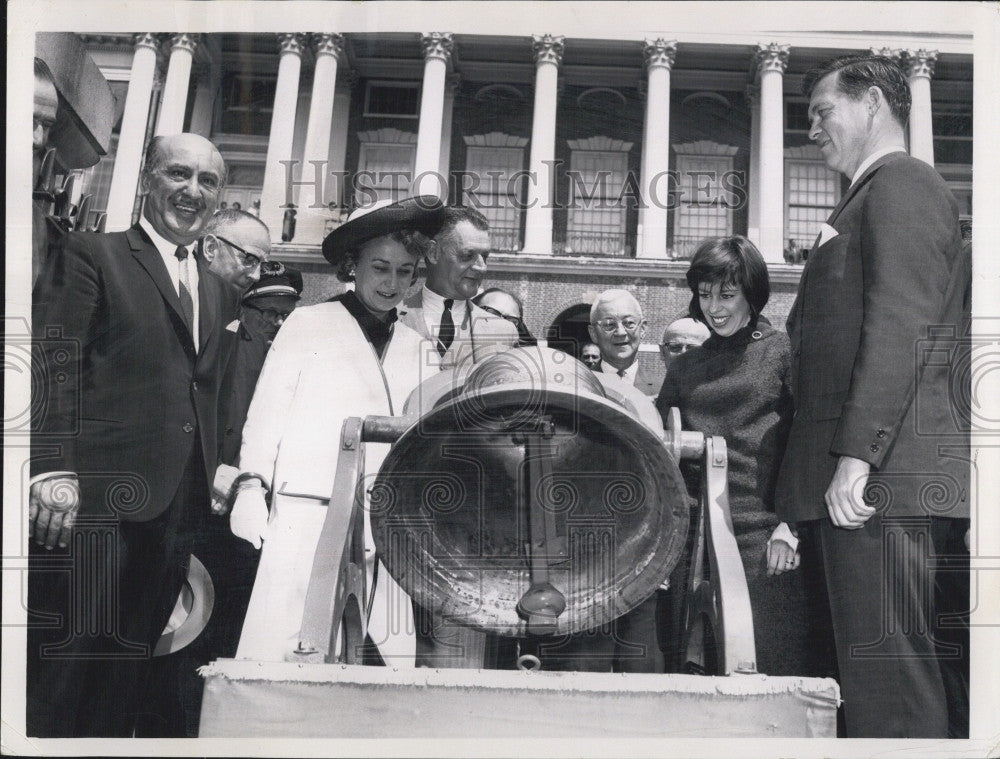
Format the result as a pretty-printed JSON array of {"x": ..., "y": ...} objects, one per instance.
[
  {"x": 446, "y": 332},
  {"x": 187, "y": 304},
  {"x": 621, "y": 373}
]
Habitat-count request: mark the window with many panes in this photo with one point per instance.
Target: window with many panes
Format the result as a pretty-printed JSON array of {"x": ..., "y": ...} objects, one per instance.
[
  {"x": 702, "y": 208},
  {"x": 491, "y": 188},
  {"x": 96, "y": 182},
  {"x": 385, "y": 169},
  {"x": 811, "y": 193},
  {"x": 596, "y": 220}
]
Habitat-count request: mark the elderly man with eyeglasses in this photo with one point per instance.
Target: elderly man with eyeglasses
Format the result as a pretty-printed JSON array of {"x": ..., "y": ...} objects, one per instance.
[
  {"x": 680, "y": 336},
  {"x": 234, "y": 245},
  {"x": 617, "y": 327}
]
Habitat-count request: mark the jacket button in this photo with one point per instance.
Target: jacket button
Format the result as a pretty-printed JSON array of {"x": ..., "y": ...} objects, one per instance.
[
  {"x": 188, "y": 427},
  {"x": 880, "y": 433},
  {"x": 194, "y": 385},
  {"x": 874, "y": 448}
]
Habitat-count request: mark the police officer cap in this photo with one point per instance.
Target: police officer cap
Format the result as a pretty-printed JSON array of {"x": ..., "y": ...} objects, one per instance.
[{"x": 275, "y": 279}]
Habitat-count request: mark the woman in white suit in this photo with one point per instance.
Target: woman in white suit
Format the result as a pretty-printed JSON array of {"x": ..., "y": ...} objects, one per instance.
[{"x": 346, "y": 357}]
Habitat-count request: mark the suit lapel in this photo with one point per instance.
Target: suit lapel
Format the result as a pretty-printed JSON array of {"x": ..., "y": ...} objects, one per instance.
[
  {"x": 208, "y": 305},
  {"x": 412, "y": 315},
  {"x": 862, "y": 181},
  {"x": 149, "y": 258}
]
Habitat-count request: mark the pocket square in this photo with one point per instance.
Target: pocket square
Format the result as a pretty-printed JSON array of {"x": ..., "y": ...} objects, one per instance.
[
  {"x": 826, "y": 233},
  {"x": 233, "y": 325}
]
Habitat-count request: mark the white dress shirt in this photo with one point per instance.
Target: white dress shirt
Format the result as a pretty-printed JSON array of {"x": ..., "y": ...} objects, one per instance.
[
  {"x": 433, "y": 308},
  {"x": 167, "y": 250},
  {"x": 872, "y": 158},
  {"x": 630, "y": 372}
]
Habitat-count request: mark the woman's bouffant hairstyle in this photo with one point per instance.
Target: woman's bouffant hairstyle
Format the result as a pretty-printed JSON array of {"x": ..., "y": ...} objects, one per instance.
[
  {"x": 729, "y": 261},
  {"x": 415, "y": 243}
]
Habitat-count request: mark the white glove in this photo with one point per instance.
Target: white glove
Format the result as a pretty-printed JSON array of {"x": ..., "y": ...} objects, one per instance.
[
  {"x": 222, "y": 488},
  {"x": 248, "y": 519}
]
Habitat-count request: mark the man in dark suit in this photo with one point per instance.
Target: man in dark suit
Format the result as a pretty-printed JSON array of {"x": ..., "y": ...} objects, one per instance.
[
  {"x": 46, "y": 109},
  {"x": 128, "y": 331},
  {"x": 877, "y": 463}
]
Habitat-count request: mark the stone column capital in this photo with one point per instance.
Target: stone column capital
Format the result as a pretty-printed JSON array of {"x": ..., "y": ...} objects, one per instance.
[
  {"x": 437, "y": 45},
  {"x": 659, "y": 53},
  {"x": 548, "y": 48},
  {"x": 328, "y": 44},
  {"x": 292, "y": 44},
  {"x": 184, "y": 41},
  {"x": 893, "y": 53},
  {"x": 772, "y": 57},
  {"x": 920, "y": 63},
  {"x": 147, "y": 39}
]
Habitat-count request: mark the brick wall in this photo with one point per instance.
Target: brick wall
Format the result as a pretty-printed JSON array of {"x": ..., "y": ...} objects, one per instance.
[{"x": 547, "y": 296}]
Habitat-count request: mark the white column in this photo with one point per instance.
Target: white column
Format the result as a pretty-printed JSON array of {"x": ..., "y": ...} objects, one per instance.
[
  {"x": 437, "y": 53},
  {"x": 772, "y": 60},
  {"x": 548, "y": 51},
  {"x": 279, "y": 144},
  {"x": 654, "y": 181},
  {"x": 128, "y": 158},
  {"x": 453, "y": 82},
  {"x": 753, "y": 186},
  {"x": 921, "y": 69},
  {"x": 311, "y": 208},
  {"x": 175, "y": 89},
  {"x": 333, "y": 188}
]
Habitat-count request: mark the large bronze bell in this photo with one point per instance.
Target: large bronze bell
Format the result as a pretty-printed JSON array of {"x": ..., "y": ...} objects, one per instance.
[{"x": 529, "y": 499}]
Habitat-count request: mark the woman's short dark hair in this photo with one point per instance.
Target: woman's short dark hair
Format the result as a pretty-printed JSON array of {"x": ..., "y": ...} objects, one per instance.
[
  {"x": 729, "y": 261},
  {"x": 415, "y": 243}
]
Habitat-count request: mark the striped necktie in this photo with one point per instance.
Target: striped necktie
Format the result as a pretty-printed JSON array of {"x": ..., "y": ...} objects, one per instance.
[{"x": 184, "y": 280}]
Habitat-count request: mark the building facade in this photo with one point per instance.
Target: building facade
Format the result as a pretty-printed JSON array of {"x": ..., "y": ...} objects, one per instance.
[{"x": 599, "y": 162}]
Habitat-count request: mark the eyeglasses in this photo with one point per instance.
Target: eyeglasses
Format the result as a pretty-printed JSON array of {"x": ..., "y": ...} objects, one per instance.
[
  {"x": 272, "y": 314},
  {"x": 515, "y": 320},
  {"x": 676, "y": 349},
  {"x": 609, "y": 325},
  {"x": 249, "y": 260}
]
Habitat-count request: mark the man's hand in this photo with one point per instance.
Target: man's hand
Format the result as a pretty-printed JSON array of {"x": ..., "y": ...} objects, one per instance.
[
  {"x": 248, "y": 519},
  {"x": 52, "y": 508},
  {"x": 222, "y": 488},
  {"x": 845, "y": 496}
]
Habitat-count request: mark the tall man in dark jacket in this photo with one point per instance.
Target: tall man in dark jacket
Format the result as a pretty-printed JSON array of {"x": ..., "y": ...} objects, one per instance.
[
  {"x": 877, "y": 462},
  {"x": 128, "y": 331}
]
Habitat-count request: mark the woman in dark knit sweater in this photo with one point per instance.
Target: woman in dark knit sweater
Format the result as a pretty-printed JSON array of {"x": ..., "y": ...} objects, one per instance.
[{"x": 736, "y": 386}]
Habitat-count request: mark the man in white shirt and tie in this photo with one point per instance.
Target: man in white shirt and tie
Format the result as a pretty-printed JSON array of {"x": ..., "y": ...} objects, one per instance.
[
  {"x": 617, "y": 327},
  {"x": 459, "y": 332}
]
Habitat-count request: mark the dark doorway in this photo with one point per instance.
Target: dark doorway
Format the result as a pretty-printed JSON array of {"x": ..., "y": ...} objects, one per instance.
[{"x": 568, "y": 332}]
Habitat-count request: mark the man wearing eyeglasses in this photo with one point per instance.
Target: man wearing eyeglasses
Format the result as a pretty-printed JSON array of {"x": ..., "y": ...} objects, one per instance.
[
  {"x": 680, "y": 336},
  {"x": 617, "y": 328},
  {"x": 234, "y": 245}
]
